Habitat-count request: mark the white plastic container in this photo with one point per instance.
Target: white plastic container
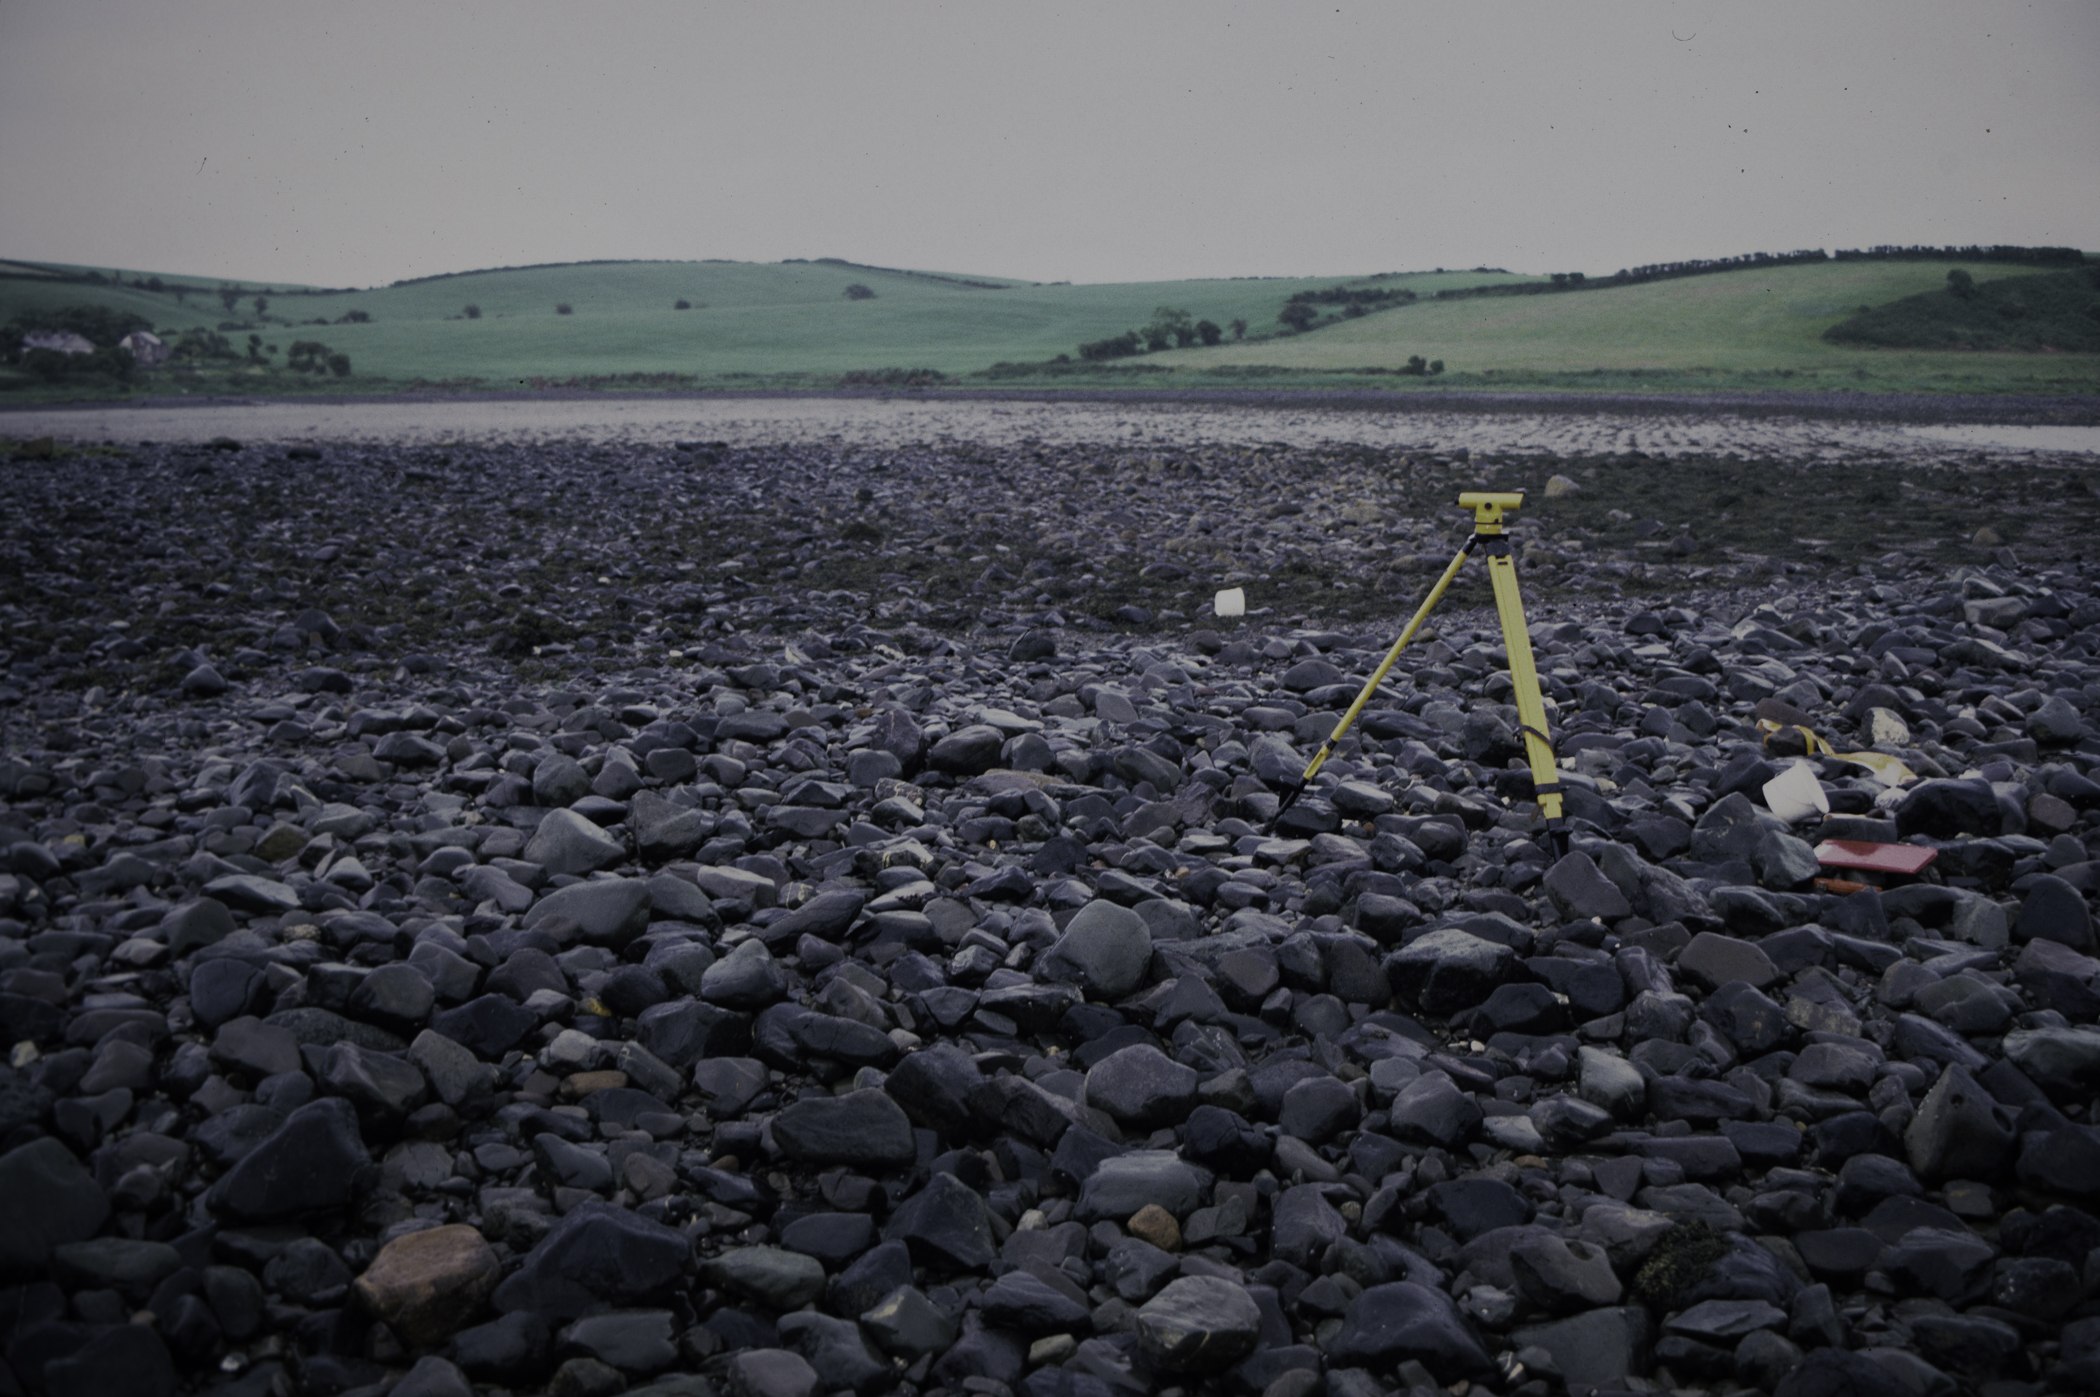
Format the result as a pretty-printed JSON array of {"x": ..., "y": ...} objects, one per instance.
[
  {"x": 1795, "y": 794},
  {"x": 1231, "y": 602}
]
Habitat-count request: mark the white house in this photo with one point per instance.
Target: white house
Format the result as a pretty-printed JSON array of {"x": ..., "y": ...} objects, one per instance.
[
  {"x": 64, "y": 341},
  {"x": 145, "y": 347}
]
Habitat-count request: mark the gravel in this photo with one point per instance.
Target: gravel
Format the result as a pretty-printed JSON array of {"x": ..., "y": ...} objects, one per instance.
[{"x": 716, "y": 918}]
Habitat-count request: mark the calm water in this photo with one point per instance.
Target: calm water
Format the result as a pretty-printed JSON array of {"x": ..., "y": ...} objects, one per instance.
[{"x": 2079, "y": 439}]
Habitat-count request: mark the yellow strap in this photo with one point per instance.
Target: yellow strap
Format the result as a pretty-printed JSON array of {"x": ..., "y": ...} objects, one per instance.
[{"x": 1888, "y": 770}]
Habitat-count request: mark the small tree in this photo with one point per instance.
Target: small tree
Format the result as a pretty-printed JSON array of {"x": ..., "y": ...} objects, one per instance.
[
  {"x": 1436, "y": 366},
  {"x": 1299, "y": 315},
  {"x": 1961, "y": 284},
  {"x": 1239, "y": 329},
  {"x": 1170, "y": 323},
  {"x": 473, "y": 312},
  {"x": 1118, "y": 347},
  {"x": 681, "y": 304},
  {"x": 1209, "y": 332},
  {"x": 198, "y": 345},
  {"x": 262, "y": 305},
  {"x": 229, "y": 297},
  {"x": 857, "y": 292},
  {"x": 339, "y": 365}
]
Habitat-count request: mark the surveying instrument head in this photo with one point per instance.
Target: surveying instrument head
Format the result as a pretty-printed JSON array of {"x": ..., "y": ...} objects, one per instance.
[
  {"x": 1491, "y": 542},
  {"x": 1488, "y": 506}
]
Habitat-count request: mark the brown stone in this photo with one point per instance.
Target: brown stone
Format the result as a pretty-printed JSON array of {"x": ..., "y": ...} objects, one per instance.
[
  {"x": 1156, "y": 1225},
  {"x": 427, "y": 1284},
  {"x": 581, "y": 1084},
  {"x": 2051, "y": 814},
  {"x": 281, "y": 843}
]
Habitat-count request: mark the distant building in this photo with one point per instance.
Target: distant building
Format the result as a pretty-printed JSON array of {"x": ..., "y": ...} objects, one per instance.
[
  {"x": 145, "y": 347},
  {"x": 63, "y": 341}
]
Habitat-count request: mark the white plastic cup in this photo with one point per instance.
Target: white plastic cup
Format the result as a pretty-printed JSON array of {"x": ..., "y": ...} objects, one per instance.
[
  {"x": 1795, "y": 794},
  {"x": 1231, "y": 602}
]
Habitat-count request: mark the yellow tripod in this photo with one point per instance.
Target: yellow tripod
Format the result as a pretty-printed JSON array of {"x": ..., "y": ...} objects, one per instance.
[{"x": 1489, "y": 540}]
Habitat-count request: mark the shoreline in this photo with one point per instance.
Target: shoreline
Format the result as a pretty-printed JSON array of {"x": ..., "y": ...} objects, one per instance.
[{"x": 2054, "y": 410}]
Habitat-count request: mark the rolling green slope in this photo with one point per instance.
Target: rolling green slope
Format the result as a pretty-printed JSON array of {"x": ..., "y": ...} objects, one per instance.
[
  {"x": 746, "y": 318},
  {"x": 1754, "y": 321},
  {"x": 2052, "y": 311},
  {"x": 794, "y": 323}
]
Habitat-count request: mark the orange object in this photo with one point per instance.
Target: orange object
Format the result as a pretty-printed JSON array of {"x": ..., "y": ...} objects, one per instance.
[{"x": 1906, "y": 859}]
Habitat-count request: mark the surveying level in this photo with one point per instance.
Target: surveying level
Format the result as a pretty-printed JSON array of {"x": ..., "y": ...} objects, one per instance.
[{"x": 1489, "y": 540}]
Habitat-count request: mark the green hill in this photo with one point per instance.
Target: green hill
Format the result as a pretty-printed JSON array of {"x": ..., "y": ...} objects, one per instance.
[
  {"x": 2051, "y": 312},
  {"x": 1732, "y": 327},
  {"x": 815, "y": 324},
  {"x": 744, "y": 318}
]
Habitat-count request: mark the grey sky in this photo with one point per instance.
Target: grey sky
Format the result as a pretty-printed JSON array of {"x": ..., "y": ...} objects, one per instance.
[{"x": 357, "y": 143}]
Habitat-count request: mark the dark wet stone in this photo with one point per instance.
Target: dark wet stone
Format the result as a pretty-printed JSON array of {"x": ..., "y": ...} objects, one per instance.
[
  {"x": 1431, "y": 1110},
  {"x": 1304, "y": 1225},
  {"x": 1390, "y": 1324},
  {"x": 685, "y": 1031},
  {"x": 1105, "y": 948},
  {"x": 1949, "y": 1265},
  {"x": 1124, "y": 1183},
  {"x": 1024, "y": 1302},
  {"x": 1448, "y": 970},
  {"x": 128, "y": 1359},
  {"x": 47, "y": 1198},
  {"x": 1198, "y": 1324},
  {"x": 1599, "y": 1348},
  {"x": 1833, "y": 1372},
  {"x": 982, "y": 1353},
  {"x": 1224, "y": 1141},
  {"x": 836, "y": 1350},
  {"x": 1142, "y": 1088},
  {"x": 772, "y": 1372},
  {"x": 866, "y": 1127},
  {"x": 1714, "y": 960},
  {"x": 596, "y": 1253},
  {"x": 832, "y": 1238},
  {"x": 489, "y": 1026},
  {"x": 315, "y": 1162},
  {"x": 1317, "y": 1109},
  {"x": 2055, "y": 911},
  {"x": 1947, "y": 808},
  {"x": 945, "y": 1224},
  {"x": 871, "y": 1276},
  {"x": 1470, "y": 1207},
  {"x": 1960, "y": 1131},
  {"x": 825, "y": 916}
]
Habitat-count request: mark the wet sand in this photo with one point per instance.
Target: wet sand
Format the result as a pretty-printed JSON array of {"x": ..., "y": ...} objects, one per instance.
[{"x": 1755, "y": 430}]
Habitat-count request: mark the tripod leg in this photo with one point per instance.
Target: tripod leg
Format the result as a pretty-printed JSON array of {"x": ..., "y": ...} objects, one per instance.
[
  {"x": 1523, "y": 672},
  {"x": 1341, "y": 729}
]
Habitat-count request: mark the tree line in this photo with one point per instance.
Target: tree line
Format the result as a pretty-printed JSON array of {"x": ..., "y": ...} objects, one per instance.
[{"x": 1888, "y": 252}]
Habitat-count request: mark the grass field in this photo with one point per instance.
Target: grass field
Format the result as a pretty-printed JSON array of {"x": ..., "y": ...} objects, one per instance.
[
  {"x": 793, "y": 324},
  {"x": 746, "y": 318},
  {"x": 1724, "y": 329}
]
